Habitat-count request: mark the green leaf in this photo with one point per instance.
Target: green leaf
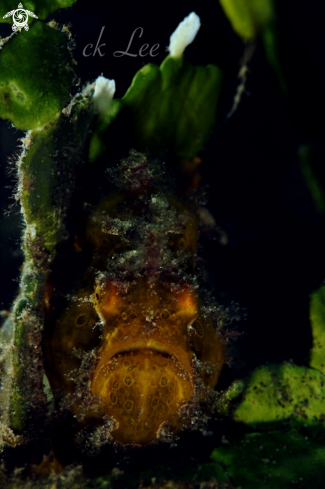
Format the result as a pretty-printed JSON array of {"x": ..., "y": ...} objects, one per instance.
[
  {"x": 317, "y": 320},
  {"x": 278, "y": 393},
  {"x": 41, "y": 8},
  {"x": 173, "y": 107},
  {"x": 248, "y": 17},
  {"x": 272, "y": 461},
  {"x": 36, "y": 72}
]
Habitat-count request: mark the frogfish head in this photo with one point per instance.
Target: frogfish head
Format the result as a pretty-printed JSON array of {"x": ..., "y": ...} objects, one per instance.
[{"x": 145, "y": 370}]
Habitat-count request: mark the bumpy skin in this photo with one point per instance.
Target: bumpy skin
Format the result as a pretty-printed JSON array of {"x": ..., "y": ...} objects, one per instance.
[{"x": 138, "y": 307}]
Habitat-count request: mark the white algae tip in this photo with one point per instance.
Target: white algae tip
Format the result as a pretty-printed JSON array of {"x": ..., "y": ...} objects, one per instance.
[
  {"x": 103, "y": 94},
  {"x": 184, "y": 35}
]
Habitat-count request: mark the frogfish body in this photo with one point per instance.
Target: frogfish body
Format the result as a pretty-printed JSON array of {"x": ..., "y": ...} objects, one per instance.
[{"x": 136, "y": 314}]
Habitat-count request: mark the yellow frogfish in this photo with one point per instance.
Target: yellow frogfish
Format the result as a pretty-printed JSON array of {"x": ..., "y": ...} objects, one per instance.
[{"x": 135, "y": 346}]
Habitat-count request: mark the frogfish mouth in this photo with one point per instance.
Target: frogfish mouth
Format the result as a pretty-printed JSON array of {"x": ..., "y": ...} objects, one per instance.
[{"x": 135, "y": 344}]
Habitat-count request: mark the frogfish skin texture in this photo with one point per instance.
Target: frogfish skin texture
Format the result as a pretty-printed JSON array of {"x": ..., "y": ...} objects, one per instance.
[{"x": 137, "y": 314}]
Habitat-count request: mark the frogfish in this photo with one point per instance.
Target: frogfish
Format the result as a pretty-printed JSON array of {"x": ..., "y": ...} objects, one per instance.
[{"x": 135, "y": 349}]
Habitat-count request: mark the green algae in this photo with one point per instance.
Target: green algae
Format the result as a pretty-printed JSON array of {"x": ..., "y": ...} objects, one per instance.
[
  {"x": 36, "y": 73},
  {"x": 224, "y": 403},
  {"x": 283, "y": 393},
  {"x": 273, "y": 460}
]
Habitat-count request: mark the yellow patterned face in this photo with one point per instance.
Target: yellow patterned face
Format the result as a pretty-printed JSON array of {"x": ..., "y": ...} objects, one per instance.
[{"x": 137, "y": 309}]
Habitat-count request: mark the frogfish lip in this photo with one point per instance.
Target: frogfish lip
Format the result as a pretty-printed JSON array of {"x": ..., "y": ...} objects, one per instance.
[
  {"x": 131, "y": 351},
  {"x": 181, "y": 354},
  {"x": 143, "y": 348}
]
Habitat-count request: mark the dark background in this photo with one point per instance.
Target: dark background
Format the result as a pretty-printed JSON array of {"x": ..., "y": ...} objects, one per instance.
[{"x": 274, "y": 257}]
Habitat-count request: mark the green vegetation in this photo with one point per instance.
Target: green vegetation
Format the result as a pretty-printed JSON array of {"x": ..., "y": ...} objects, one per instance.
[
  {"x": 25, "y": 62},
  {"x": 171, "y": 106}
]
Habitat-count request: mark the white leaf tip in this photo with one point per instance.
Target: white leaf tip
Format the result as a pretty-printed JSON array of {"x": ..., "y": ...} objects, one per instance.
[
  {"x": 103, "y": 94},
  {"x": 184, "y": 35}
]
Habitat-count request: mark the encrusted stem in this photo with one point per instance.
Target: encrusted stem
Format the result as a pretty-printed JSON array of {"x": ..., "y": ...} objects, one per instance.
[{"x": 47, "y": 168}]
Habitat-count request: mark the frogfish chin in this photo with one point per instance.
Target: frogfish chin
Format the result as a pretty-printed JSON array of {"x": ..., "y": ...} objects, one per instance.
[
  {"x": 142, "y": 390},
  {"x": 137, "y": 314}
]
